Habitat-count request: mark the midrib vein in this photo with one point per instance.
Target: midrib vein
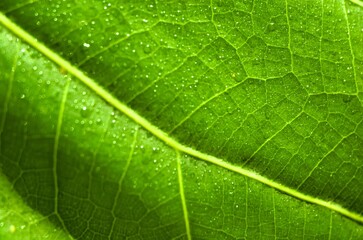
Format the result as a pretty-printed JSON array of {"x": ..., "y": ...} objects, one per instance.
[
  {"x": 358, "y": 2},
  {"x": 159, "y": 133}
]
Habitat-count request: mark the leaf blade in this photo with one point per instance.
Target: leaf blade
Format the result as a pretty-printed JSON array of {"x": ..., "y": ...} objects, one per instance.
[{"x": 312, "y": 111}]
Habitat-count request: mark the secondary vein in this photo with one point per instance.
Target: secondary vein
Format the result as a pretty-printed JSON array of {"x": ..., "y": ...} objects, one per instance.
[
  {"x": 159, "y": 133},
  {"x": 182, "y": 196},
  {"x": 55, "y": 150}
]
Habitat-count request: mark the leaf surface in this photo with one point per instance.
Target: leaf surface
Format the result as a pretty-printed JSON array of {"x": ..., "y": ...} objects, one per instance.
[{"x": 266, "y": 93}]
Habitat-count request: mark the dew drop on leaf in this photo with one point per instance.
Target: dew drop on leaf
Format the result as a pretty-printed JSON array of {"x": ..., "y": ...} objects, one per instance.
[
  {"x": 85, "y": 112},
  {"x": 147, "y": 49},
  {"x": 12, "y": 228},
  {"x": 98, "y": 121}
]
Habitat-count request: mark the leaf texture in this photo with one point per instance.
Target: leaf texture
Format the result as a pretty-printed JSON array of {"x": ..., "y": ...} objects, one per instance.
[{"x": 271, "y": 88}]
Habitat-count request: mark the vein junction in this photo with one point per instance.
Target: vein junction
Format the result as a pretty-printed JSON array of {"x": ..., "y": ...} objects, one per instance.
[{"x": 159, "y": 133}]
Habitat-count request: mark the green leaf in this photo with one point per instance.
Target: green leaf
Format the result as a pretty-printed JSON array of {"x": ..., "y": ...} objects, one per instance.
[{"x": 181, "y": 120}]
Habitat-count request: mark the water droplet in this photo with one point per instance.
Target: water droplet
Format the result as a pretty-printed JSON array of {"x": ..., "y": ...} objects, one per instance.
[
  {"x": 85, "y": 112},
  {"x": 12, "y": 228},
  {"x": 147, "y": 49}
]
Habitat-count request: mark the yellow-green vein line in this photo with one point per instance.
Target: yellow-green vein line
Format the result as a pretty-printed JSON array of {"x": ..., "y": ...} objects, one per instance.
[
  {"x": 21, "y": 5},
  {"x": 330, "y": 225},
  {"x": 351, "y": 46},
  {"x": 359, "y": 3},
  {"x": 274, "y": 209},
  {"x": 8, "y": 95},
  {"x": 121, "y": 180},
  {"x": 246, "y": 209},
  {"x": 159, "y": 133},
  {"x": 204, "y": 103},
  {"x": 55, "y": 149},
  {"x": 182, "y": 196},
  {"x": 289, "y": 35},
  {"x": 304, "y": 226}
]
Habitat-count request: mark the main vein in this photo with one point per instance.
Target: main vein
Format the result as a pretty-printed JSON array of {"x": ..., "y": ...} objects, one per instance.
[
  {"x": 159, "y": 133},
  {"x": 359, "y": 3}
]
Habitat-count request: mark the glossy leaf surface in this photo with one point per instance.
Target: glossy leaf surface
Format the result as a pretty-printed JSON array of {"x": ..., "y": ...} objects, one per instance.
[{"x": 252, "y": 88}]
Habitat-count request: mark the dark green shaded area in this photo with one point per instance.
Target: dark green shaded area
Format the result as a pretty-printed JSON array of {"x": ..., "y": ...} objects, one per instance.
[{"x": 275, "y": 88}]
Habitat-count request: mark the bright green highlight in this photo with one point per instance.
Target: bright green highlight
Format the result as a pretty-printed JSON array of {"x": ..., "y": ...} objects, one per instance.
[
  {"x": 160, "y": 134},
  {"x": 106, "y": 117}
]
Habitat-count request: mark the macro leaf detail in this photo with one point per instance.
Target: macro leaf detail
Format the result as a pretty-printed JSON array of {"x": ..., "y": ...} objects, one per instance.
[{"x": 181, "y": 120}]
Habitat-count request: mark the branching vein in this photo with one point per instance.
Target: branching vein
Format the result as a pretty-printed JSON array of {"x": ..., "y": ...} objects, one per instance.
[{"x": 159, "y": 133}]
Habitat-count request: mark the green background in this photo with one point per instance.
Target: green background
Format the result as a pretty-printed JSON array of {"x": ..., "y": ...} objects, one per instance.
[{"x": 275, "y": 87}]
